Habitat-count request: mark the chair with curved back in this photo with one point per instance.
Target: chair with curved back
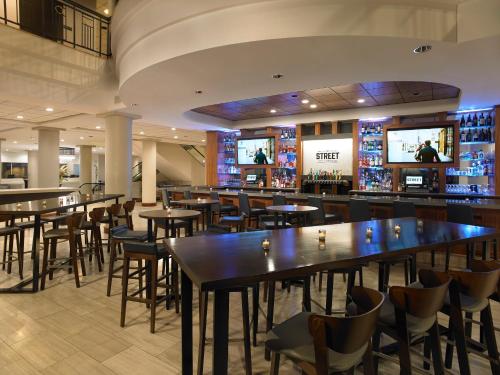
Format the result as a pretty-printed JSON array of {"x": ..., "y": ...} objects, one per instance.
[
  {"x": 411, "y": 312},
  {"x": 322, "y": 345},
  {"x": 251, "y": 213},
  {"x": 220, "y": 209},
  {"x": 404, "y": 209},
  {"x": 128, "y": 208},
  {"x": 94, "y": 246},
  {"x": 320, "y": 217}
]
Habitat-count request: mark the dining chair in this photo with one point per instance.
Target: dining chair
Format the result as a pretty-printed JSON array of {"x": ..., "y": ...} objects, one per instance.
[
  {"x": 251, "y": 213},
  {"x": 359, "y": 210},
  {"x": 279, "y": 199},
  {"x": 219, "y": 209},
  {"x": 404, "y": 209},
  {"x": 470, "y": 293},
  {"x": 319, "y": 216},
  {"x": 322, "y": 345},
  {"x": 410, "y": 313}
]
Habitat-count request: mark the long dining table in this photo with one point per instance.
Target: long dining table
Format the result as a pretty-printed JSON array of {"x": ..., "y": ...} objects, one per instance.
[
  {"x": 219, "y": 263},
  {"x": 35, "y": 209}
]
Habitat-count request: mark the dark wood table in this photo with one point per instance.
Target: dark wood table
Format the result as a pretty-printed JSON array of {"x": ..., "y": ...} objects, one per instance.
[
  {"x": 38, "y": 207},
  {"x": 205, "y": 204},
  {"x": 288, "y": 209},
  {"x": 169, "y": 216},
  {"x": 225, "y": 261}
]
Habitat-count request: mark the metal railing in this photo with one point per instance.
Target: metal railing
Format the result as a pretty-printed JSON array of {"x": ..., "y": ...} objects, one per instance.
[
  {"x": 195, "y": 153},
  {"x": 63, "y": 21}
]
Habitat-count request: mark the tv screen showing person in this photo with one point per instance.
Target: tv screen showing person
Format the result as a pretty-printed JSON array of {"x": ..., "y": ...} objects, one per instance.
[
  {"x": 256, "y": 151},
  {"x": 260, "y": 157}
]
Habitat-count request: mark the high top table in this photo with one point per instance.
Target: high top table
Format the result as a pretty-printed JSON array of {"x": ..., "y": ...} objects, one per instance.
[
  {"x": 38, "y": 207},
  {"x": 229, "y": 260}
]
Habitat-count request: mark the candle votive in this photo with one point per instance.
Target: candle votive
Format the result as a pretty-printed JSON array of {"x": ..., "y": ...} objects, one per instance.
[
  {"x": 266, "y": 244},
  {"x": 322, "y": 234},
  {"x": 44, "y": 203},
  {"x": 211, "y": 189},
  {"x": 369, "y": 232},
  {"x": 198, "y": 199},
  {"x": 324, "y": 193},
  {"x": 169, "y": 210},
  {"x": 19, "y": 205},
  {"x": 322, "y": 245},
  {"x": 262, "y": 191},
  {"x": 295, "y": 205},
  {"x": 397, "y": 228},
  {"x": 227, "y": 189}
]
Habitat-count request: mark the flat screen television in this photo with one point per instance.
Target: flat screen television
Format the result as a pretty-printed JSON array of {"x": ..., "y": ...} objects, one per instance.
[
  {"x": 256, "y": 151},
  {"x": 423, "y": 145}
]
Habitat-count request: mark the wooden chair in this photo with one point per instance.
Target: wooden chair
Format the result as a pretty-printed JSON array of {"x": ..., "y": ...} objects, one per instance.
[
  {"x": 148, "y": 254},
  {"x": 320, "y": 216},
  {"x": 411, "y": 312},
  {"x": 94, "y": 246},
  {"x": 469, "y": 293},
  {"x": 72, "y": 234},
  {"x": 322, "y": 345},
  {"x": 220, "y": 209},
  {"x": 128, "y": 208},
  {"x": 251, "y": 213},
  {"x": 10, "y": 232}
]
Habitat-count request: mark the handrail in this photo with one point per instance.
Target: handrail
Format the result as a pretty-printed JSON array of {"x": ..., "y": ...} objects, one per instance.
[{"x": 96, "y": 186}]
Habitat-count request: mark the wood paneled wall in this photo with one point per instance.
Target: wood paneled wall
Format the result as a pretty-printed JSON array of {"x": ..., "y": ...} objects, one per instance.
[{"x": 211, "y": 158}]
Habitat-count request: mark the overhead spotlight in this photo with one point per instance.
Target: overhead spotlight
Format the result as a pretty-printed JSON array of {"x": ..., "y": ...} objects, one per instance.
[
  {"x": 19, "y": 117},
  {"x": 81, "y": 137},
  {"x": 313, "y": 106},
  {"x": 62, "y": 140},
  {"x": 15, "y": 142},
  {"x": 203, "y": 140},
  {"x": 174, "y": 129},
  {"x": 49, "y": 109},
  {"x": 141, "y": 132},
  {"x": 175, "y": 137},
  {"x": 422, "y": 49},
  {"x": 272, "y": 111},
  {"x": 361, "y": 101},
  {"x": 97, "y": 127},
  {"x": 305, "y": 101},
  {"x": 106, "y": 11}
]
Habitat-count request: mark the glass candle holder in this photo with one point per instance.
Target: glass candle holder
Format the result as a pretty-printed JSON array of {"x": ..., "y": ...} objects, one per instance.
[
  {"x": 44, "y": 203},
  {"x": 262, "y": 191},
  {"x": 324, "y": 193},
  {"x": 198, "y": 199},
  {"x": 169, "y": 210},
  {"x": 295, "y": 205},
  {"x": 322, "y": 235},
  {"x": 322, "y": 245},
  {"x": 397, "y": 228},
  {"x": 266, "y": 244},
  {"x": 369, "y": 232},
  {"x": 211, "y": 189},
  {"x": 19, "y": 205}
]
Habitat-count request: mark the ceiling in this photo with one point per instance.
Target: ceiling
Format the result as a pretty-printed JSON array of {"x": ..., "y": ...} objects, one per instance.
[
  {"x": 351, "y": 96},
  {"x": 11, "y": 110}
]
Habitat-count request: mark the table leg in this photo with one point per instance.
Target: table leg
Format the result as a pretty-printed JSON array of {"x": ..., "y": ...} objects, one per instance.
[
  {"x": 413, "y": 270},
  {"x": 172, "y": 229},
  {"x": 187, "y": 324},
  {"x": 190, "y": 228},
  {"x": 150, "y": 230},
  {"x": 221, "y": 331},
  {"x": 35, "y": 252},
  {"x": 209, "y": 215},
  {"x": 270, "y": 313},
  {"x": 275, "y": 220}
]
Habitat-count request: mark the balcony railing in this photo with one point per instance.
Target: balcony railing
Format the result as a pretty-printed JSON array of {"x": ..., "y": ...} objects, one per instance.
[{"x": 63, "y": 21}]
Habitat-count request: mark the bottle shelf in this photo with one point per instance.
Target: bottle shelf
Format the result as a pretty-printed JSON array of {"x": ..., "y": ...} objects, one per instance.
[
  {"x": 373, "y": 168},
  {"x": 478, "y": 143},
  {"x": 478, "y": 127},
  {"x": 371, "y": 151},
  {"x": 368, "y": 135}
]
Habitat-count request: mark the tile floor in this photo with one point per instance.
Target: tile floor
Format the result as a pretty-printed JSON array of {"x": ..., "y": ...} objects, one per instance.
[{"x": 65, "y": 330}]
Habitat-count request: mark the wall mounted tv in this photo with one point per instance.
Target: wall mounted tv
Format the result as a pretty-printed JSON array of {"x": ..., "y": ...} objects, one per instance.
[
  {"x": 256, "y": 151},
  {"x": 428, "y": 145}
]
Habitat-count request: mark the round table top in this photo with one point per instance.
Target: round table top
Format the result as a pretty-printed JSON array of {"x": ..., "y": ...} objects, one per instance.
[
  {"x": 194, "y": 202},
  {"x": 169, "y": 214},
  {"x": 291, "y": 208}
]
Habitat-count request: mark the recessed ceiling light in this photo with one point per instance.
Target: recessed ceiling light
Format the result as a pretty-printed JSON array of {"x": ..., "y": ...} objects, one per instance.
[
  {"x": 272, "y": 110},
  {"x": 305, "y": 101},
  {"x": 203, "y": 140},
  {"x": 7, "y": 150},
  {"x": 81, "y": 137},
  {"x": 106, "y": 11},
  {"x": 175, "y": 137},
  {"x": 277, "y": 76},
  {"x": 97, "y": 127},
  {"x": 19, "y": 117},
  {"x": 62, "y": 140},
  {"x": 49, "y": 109},
  {"x": 141, "y": 132},
  {"x": 15, "y": 142},
  {"x": 361, "y": 100},
  {"x": 174, "y": 129},
  {"x": 422, "y": 49},
  {"x": 313, "y": 106}
]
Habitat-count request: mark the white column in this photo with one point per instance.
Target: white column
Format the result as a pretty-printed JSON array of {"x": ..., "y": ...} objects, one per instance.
[
  {"x": 1, "y": 141},
  {"x": 118, "y": 153},
  {"x": 48, "y": 157},
  {"x": 32, "y": 169},
  {"x": 148, "y": 173},
  {"x": 86, "y": 168}
]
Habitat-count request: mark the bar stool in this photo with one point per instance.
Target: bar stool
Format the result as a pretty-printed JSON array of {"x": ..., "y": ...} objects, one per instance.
[
  {"x": 112, "y": 220},
  {"x": 164, "y": 224},
  {"x": 150, "y": 253},
  {"x": 94, "y": 247},
  {"x": 322, "y": 345},
  {"x": 9, "y": 233},
  {"x": 359, "y": 210},
  {"x": 72, "y": 234},
  {"x": 23, "y": 226},
  {"x": 118, "y": 235},
  {"x": 251, "y": 213},
  {"x": 470, "y": 292},
  {"x": 128, "y": 208},
  {"x": 411, "y": 312},
  {"x": 404, "y": 209},
  {"x": 237, "y": 222}
]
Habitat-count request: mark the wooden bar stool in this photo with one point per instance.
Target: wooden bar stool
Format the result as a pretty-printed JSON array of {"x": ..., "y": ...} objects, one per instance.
[
  {"x": 112, "y": 220},
  {"x": 128, "y": 208},
  {"x": 94, "y": 247},
  {"x": 118, "y": 235},
  {"x": 72, "y": 234},
  {"x": 411, "y": 312},
  {"x": 10, "y": 232},
  {"x": 469, "y": 293},
  {"x": 322, "y": 345},
  {"x": 150, "y": 254}
]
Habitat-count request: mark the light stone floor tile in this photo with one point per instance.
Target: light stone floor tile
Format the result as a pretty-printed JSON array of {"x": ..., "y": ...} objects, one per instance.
[{"x": 65, "y": 330}]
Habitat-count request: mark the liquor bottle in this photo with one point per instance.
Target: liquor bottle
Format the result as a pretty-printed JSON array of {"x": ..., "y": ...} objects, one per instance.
[
  {"x": 462, "y": 136},
  {"x": 489, "y": 120},
  {"x": 379, "y": 146},
  {"x": 475, "y": 136},
  {"x": 469, "y": 120},
  {"x": 468, "y": 137},
  {"x": 482, "y": 120},
  {"x": 488, "y": 135},
  {"x": 379, "y": 128},
  {"x": 474, "y": 119},
  {"x": 480, "y": 154},
  {"x": 363, "y": 130},
  {"x": 462, "y": 121},
  {"x": 481, "y": 135}
]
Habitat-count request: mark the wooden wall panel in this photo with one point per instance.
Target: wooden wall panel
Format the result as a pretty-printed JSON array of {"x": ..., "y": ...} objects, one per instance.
[
  {"x": 355, "y": 155},
  {"x": 497, "y": 150},
  {"x": 211, "y": 151},
  {"x": 298, "y": 144}
]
